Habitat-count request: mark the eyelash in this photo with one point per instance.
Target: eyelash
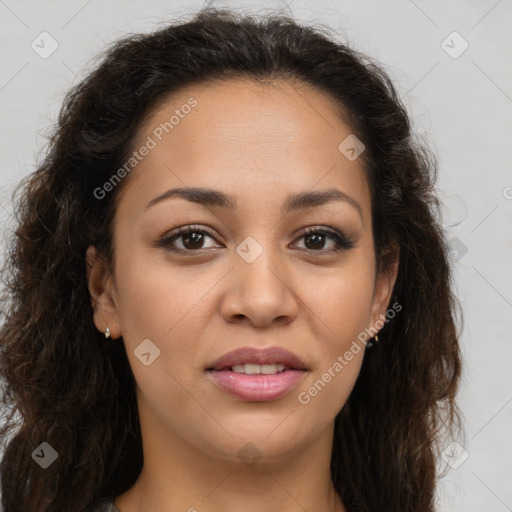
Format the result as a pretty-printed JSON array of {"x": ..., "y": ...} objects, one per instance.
[{"x": 342, "y": 242}]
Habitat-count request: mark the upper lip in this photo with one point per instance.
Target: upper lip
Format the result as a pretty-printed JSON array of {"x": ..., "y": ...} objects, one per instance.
[{"x": 250, "y": 355}]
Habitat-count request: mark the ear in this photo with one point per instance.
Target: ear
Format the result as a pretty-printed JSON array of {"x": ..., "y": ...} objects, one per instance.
[
  {"x": 384, "y": 283},
  {"x": 101, "y": 288}
]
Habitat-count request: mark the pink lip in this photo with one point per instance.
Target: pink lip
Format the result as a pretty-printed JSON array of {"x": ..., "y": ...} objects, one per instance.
[
  {"x": 259, "y": 387},
  {"x": 270, "y": 355},
  {"x": 256, "y": 388}
]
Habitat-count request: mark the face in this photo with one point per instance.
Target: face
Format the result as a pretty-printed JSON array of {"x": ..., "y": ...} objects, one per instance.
[{"x": 247, "y": 274}]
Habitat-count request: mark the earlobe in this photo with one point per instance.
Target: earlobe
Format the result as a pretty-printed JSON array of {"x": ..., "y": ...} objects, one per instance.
[{"x": 99, "y": 282}]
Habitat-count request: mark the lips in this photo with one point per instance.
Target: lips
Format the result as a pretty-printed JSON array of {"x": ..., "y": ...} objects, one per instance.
[
  {"x": 257, "y": 383},
  {"x": 249, "y": 355}
]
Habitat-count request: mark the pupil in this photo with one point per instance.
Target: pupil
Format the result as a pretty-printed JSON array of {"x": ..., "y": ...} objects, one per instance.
[
  {"x": 196, "y": 239},
  {"x": 318, "y": 238}
]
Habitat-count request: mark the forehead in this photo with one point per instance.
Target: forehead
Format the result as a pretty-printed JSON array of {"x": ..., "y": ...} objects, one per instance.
[{"x": 242, "y": 136}]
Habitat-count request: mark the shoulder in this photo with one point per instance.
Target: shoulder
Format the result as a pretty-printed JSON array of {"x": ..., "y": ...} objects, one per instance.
[{"x": 101, "y": 505}]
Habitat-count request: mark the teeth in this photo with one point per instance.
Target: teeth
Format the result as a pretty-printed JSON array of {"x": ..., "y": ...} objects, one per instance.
[{"x": 254, "y": 369}]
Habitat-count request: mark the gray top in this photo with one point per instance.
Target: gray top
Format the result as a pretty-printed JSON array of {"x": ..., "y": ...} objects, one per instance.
[
  {"x": 105, "y": 505},
  {"x": 110, "y": 507}
]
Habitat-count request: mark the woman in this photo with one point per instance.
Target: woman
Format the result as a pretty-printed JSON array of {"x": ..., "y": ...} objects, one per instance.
[{"x": 228, "y": 288}]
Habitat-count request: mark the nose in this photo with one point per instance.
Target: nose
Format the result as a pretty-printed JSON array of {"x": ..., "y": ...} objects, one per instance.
[{"x": 260, "y": 292}]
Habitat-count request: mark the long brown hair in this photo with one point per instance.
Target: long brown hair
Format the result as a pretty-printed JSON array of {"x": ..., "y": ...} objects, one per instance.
[{"x": 65, "y": 386}]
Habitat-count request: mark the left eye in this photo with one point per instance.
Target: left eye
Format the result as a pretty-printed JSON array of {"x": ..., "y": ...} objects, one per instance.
[
  {"x": 340, "y": 241},
  {"x": 192, "y": 239}
]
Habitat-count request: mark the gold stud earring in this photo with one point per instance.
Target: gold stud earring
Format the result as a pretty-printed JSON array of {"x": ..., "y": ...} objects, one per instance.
[{"x": 376, "y": 338}]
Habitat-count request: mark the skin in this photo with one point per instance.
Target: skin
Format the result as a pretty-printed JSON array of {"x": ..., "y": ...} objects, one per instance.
[{"x": 258, "y": 142}]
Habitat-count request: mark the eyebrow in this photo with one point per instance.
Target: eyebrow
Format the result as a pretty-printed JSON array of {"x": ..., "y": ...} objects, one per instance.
[{"x": 294, "y": 202}]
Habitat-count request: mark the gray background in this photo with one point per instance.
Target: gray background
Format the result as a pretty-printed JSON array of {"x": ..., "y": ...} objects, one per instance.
[{"x": 462, "y": 106}]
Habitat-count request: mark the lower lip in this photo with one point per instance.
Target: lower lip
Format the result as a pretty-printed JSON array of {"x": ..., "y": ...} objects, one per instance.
[{"x": 256, "y": 388}]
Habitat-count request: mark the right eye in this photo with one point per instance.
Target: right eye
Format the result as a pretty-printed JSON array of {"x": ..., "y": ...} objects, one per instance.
[{"x": 192, "y": 237}]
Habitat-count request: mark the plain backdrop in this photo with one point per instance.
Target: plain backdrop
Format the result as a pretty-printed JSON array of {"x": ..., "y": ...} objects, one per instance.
[{"x": 450, "y": 61}]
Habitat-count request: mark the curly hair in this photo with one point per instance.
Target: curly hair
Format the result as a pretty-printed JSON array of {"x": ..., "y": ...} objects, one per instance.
[{"x": 63, "y": 385}]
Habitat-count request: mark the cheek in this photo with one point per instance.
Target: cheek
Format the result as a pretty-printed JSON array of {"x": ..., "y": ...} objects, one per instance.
[
  {"x": 167, "y": 306},
  {"x": 341, "y": 306},
  {"x": 156, "y": 299},
  {"x": 343, "y": 301},
  {"x": 173, "y": 307},
  {"x": 344, "y": 309}
]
